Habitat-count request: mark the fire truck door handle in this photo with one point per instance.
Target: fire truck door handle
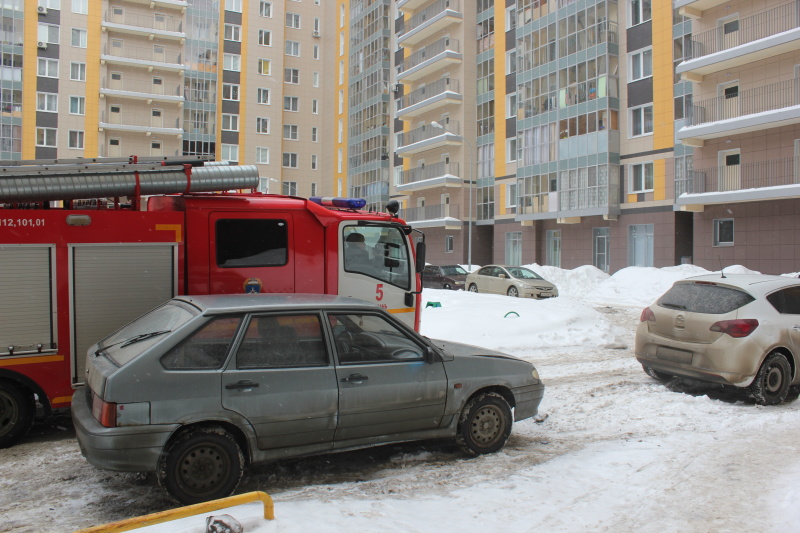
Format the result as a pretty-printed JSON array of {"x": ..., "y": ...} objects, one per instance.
[
  {"x": 355, "y": 378},
  {"x": 244, "y": 384}
]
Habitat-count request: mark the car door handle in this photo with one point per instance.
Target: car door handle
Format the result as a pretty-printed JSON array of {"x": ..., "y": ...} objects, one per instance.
[
  {"x": 244, "y": 384},
  {"x": 354, "y": 378}
]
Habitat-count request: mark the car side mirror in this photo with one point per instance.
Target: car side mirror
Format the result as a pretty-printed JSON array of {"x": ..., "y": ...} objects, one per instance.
[
  {"x": 430, "y": 355},
  {"x": 420, "y": 256},
  {"x": 502, "y": 276}
]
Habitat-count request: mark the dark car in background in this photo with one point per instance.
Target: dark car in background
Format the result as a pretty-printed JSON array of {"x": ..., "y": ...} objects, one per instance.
[{"x": 451, "y": 277}]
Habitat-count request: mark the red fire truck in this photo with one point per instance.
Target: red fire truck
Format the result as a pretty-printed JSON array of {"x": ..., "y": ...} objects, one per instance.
[{"x": 76, "y": 263}]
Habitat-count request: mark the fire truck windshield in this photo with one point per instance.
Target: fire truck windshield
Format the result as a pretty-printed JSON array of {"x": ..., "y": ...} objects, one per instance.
[{"x": 380, "y": 252}]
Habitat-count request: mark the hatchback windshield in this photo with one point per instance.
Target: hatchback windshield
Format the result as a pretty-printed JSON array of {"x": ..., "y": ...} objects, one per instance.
[
  {"x": 704, "y": 298},
  {"x": 523, "y": 273},
  {"x": 122, "y": 346},
  {"x": 453, "y": 270}
]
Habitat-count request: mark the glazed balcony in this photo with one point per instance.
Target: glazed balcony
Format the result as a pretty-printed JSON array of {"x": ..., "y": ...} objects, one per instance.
[
  {"x": 428, "y": 137},
  {"x": 762, "y": 35},
  {"x": 148, "y": 25},
  {"x": 148, "y": 57},
  {"x": 429, "y": 21},
  {"x": 138, "y": 122},
  {"x": 770, "y": 106},
  {"x": 432, "y": 216},
  {"x": 428, "y": 98},
  {"x": 432, "y": 58},
  {"x": 147, "y": 90},
  {"x": 430, "y": 176},
  {"x": 761, "y": 180}
]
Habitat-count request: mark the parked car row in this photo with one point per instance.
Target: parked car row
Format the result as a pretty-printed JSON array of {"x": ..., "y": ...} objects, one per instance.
[{"x": 494, "y": 279}]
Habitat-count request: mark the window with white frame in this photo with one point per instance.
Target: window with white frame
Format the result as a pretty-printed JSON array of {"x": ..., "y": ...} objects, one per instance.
[
  {"x": 511, "y": 195},
  {"x": 317, "y": 24},
  {"x": 232, "y": 62},
  {"x": 641, "y": 178},
  {"x": 641, "y": 64},
  {"x": 262, "y": 124},
  {"x": 264, "y": 67},
  {"x": 230, "y": 91},
  {"x": 313, "y": 189},
  {"x": 289, "y": 188},
  {"x": 723, "y": 232},
  {"x": 292, "y": 48},
  {"x": 230, "y": 152},
  {"x": 262, "y": 155},
  {"x": 75, "y": 139},
  {"x": 77, "y": 105},
  {"x": 314, "y": 136},
  {"x": 639, "y": 11},
  {"x": 233, "y": 32},
  {"x": 46, "y": 137},
  {"x": 265, "y": 37},
  {"x": 48, "y": 33},
  {"x": 315, "y": 79},
  {"x": 315, "y": 106},
  {"x": 313, "y": 161},
  {"x": 511, "y": 149},
  {"x": 262, "y": 96},
  {"x": 50, "y": 4},
  {"x": 47, "y": 102},
  {"x": 80, "y": 6},
  {"x": 265, "y": 9},
  {"x": 47, "y": 68},
  {"x": 233, "y": 5},
  {"x": 511, "y": 61},
  {"x": 230, "y": 122},
  {"x": 79, "y": 37},
  {"x": 291, "y": 103},
  {"x": 77, "y": 71},
  {"x": 290, "y": 132},
  {"x": 315, "y": 55},
  {"x": 291, "y": 75},
  {"x": 511, "y": 105},
  {"x": 289, "y": 160},
  {"x": 293, "y": 20},
  {"x": 449, "y": 243},
  {"x": 641, "y": 119}
]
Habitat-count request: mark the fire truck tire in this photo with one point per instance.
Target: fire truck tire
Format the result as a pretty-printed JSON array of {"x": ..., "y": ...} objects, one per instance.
[
  {"x": 17, "y": 410},
  {"x": 201, "y": 464}
]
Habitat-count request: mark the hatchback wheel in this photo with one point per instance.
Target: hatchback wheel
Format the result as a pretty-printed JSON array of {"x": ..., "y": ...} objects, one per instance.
[
  {"x": 484, "y": 424},
  {"x": 512, "y": 291},
  {"x": 771, "y": 384},
  {"x": 473, "y": 288},
  {"x": 200, "y": 465}
]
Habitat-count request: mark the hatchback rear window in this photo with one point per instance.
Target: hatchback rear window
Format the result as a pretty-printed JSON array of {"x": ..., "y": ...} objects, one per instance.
[{"x": 702, "y": 298}]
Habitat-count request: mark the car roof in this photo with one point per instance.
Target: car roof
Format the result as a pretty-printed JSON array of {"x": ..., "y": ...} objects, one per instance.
[
  {"x": 753, "y": 283},
  {"x": 247, "y": 303}
]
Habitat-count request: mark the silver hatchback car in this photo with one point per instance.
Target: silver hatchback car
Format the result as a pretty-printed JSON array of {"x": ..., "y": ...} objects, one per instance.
[
  {"x": 741, "y": 330},
  {"x": 202, "y": 386}
]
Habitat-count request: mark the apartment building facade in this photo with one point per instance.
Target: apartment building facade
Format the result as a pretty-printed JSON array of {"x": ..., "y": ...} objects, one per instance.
[{"x": 243, "y": 80}]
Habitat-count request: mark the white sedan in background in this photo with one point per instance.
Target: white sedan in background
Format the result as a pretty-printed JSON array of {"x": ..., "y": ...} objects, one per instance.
[{"x": 511, "y": 280}]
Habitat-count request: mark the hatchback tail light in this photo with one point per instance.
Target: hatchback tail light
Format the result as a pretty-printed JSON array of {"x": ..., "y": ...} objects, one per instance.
[
  {"x": 735, "y": 328},
  {"x": 104, "y": 412},
  {"x": 647, "y": 315}
]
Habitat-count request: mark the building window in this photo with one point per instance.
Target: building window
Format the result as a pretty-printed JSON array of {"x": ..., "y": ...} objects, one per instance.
[
  {"x": 262, "y": 96},
  {"x": 683, "y": 106},
  {"x": 315, "y": 106},
  {"x": 265, "y": 9},
  {"x": 640, "y": 245},
  {"x": 264, "y": 66},
  {"x": 313, "y": 189},
  {"x": 553, "y": 251},
  {"x": 511, "y": 195},
  {"x": 641, "y": 120},
  {"x": 230, "y": 152},
  {"x": 230, "y": 91},
  {"x": 291, "y": 75},
  {"x": 233, "y": 5},
  {"x": 314, "y": 134},
  {"x": 47, "y": 102},
  {"x": 76, "y": 139},
  {"x": 230, "y": 122},
  {"x": 48, "y": 33},
  {"x": 293, "y": 20},
  {"x": 79, "y": 37},
  {"x": 265, "y": 37},
  {"x": 46, "y": 137},
  {"x": 232, "y": 62},
  {"x": 449, "y": 242},
  {"x": 262, "y": 124},
  {"x": 48, "y": 68},
  {"x": 290, "y": 132},
  {"x": 289, "y": 160},
  {"x": 80, "y": 6},
  {"x": 291, "y": 103},
  {"x": 315, "y": 54},
  {"x": 77, "y": 105},
  {"x": 233, "y": 32},
  {"x": 292, "y": 48},
  {"x": 511, "y": 150},
  {"x": 262, "y": 155},
  {"x": 640, "y": 11},
  {"x": 641, "y": 63},
  {"x": 641, "y": 177},
  {"x": 313, "y": 161},
  {"x": 723, "y": 232},
  {"x": 77, "y": 71},
  {"x": 289, "y": 188},
  {"x": 513, "y": 248}
]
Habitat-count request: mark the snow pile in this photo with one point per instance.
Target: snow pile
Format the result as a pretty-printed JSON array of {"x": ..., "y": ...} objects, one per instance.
[{"x": 575, "y": 283}]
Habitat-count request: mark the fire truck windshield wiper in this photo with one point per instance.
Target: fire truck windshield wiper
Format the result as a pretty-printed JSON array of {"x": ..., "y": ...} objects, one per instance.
[{"x": 143, "y": 336}]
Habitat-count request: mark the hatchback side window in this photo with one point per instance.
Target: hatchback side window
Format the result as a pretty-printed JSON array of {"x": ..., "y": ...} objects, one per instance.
[
  {"x": 371, "y": 339},
  {"x": 205, "y": 349},
  {"x": 282, "y": 341},
  {"x": 786, "y": 301}
]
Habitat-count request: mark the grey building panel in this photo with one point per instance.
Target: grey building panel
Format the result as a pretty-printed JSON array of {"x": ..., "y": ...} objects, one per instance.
[
  {"x": 640, "y": 92},
  {"x": 47, "y": 85},
  {"x": 230, "y": 137},
  {"x": 640, "y": 36},
  {"x": 46, "y": 120}
]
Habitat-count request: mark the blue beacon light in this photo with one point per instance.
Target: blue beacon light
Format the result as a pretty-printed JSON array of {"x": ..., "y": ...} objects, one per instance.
[{"x": 346, "y": 203}]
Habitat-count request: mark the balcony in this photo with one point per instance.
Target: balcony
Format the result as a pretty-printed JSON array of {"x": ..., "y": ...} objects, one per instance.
[
  {"x": 434, "y": 96},
  {"x": 140, "y": 123},
  {"x": 432, "y": 58},
  {"x": 432, "y": 216},
  {"x": 149, "y": 57},
  {"x": 430, "y": 21},
  {"x": 410, "y": 5},
  {"x": 765, "y": 34},
  {"x": 163, "y": 4},
  {"x": 146, "y": 90},
  {"x": 428, "y": 137},
  {"x": 771, "y": 106},
  {"x": 150, "y": 26},
  {"x": 761, "y": 180},
  {"x": 430, "y": 176},
  {"x": 694, "y": 8}
]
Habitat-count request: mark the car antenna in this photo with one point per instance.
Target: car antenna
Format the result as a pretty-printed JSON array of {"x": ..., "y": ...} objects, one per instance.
[{"x": 721, "y": 271}]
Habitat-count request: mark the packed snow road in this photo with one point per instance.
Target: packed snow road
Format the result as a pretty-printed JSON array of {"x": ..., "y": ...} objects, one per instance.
[{"x": 612, "y": 450}]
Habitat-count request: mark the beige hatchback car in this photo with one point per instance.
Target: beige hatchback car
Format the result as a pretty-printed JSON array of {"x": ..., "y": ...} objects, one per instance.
[
  {"x": 512, "y": 281},
  {"x": 741, "y": 330}
]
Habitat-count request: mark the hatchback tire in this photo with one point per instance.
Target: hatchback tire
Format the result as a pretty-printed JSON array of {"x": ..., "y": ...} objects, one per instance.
[
  {"x": 201, "y": 464},
  {"x": 17, "y": 410},
  {"x": 513, "y": 292},
  {"x": 473, "y": 288},
  {"x": 771, "y": 384},
  {"x": 484, "y": 424}
]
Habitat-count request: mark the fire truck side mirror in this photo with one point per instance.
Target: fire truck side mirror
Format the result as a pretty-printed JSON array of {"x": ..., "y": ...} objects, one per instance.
[{"x": 420, "y": 256}]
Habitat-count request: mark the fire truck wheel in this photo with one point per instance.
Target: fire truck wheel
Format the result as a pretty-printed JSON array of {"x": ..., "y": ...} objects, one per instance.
[
  {"x": 17, "y": 409},
  {"x": 201, "y": 464}
]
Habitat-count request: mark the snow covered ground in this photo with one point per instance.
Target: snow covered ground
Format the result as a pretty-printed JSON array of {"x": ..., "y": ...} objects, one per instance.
[{"x": 612, "y": 450}]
